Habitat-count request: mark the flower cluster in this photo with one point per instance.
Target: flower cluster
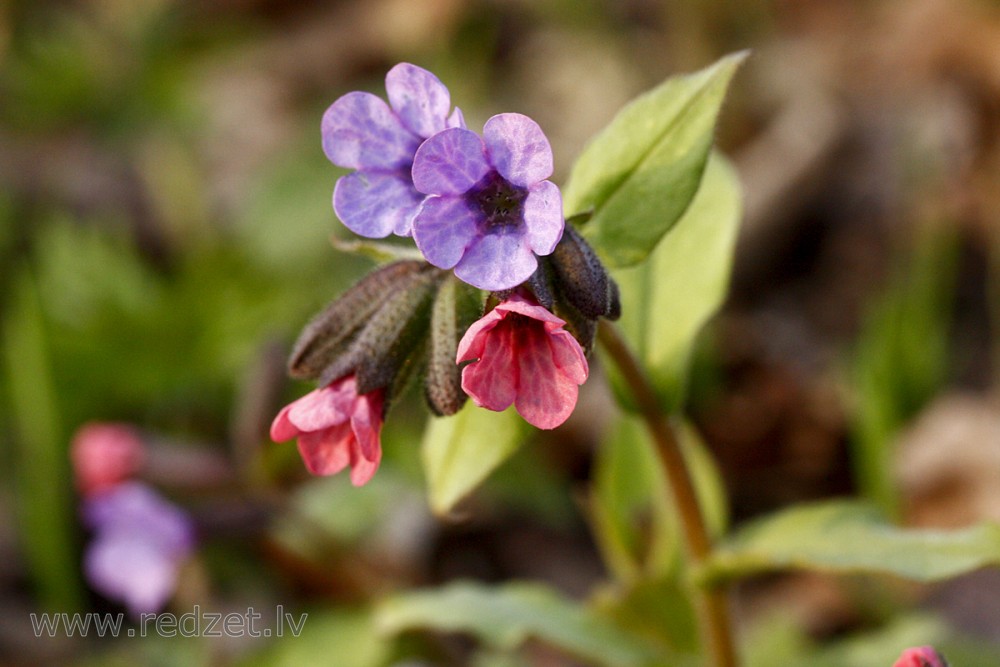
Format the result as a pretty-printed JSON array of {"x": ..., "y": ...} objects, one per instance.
[
  {"x": 480, "y": 206},
  {"x": 140, "y": 539}
]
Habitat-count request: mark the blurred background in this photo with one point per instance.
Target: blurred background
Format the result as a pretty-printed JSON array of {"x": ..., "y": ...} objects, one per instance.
[{"x": 165, "y": 227}]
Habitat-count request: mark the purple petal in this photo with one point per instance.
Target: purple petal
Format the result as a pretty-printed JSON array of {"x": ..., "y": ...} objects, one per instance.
[
  {"x": 419, "y": 98},
  {"x": 443, "y": 229},
  {"x": 456, "y": 119},
  {"x": 518, "y": 149},
  {"x": 450, "y": 162},
  {"x": 132, "y": 570},
  {"x": 497, "y": 261},
  {"x": 376, "y": 204},
  {"x": 360, "y": 131},
  {"x": 543, "y": 217}
]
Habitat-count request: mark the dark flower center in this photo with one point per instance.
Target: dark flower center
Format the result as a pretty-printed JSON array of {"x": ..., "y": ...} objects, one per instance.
[{"x": 499, "y": 201}]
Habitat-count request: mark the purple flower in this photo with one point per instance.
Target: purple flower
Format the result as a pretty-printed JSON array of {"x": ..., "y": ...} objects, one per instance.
[
  {"x": 362, "y": 132},
  {"x": 140, "y": 541},
  {"x": 490, "y": 209}
]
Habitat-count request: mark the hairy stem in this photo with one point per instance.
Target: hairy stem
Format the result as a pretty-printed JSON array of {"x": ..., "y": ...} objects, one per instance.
[{"x": 712, "y": 606}]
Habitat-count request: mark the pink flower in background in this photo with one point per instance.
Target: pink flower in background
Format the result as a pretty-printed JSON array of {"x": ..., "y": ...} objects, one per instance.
[
  {"x": 521, "y": 354},
  {"x": 140, "y": 541},
  {"x": 105, "y": 454},
  {"x": 921, "y": 656},
  {"x": 336, "y": 427}
]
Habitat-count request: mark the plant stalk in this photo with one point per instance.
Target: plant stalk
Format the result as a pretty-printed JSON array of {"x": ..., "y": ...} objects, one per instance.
[{"x": 711, "y": 603}]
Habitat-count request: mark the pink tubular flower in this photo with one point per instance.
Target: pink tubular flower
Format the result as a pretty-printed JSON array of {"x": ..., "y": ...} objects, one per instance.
[
  {"x": 521, "y": 354},
  {"x": 105, "y": 454},
  {"x": 336, "y": 427},
  {"x": 921, "y": 656}
]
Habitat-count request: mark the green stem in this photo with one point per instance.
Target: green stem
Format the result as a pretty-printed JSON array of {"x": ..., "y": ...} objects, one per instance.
[{"x": 712, "y": 606}]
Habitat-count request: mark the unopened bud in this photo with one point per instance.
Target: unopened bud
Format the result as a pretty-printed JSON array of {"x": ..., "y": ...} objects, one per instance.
[
  {"x": 456, "y": 307},
  {"x": 581, "y": 279}
]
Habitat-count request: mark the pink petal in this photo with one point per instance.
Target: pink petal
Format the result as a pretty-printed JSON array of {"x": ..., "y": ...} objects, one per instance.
[
  {"x": 474, "y": 341},
  {"x": 518, "y": 148},
  {"x": 516, "y": 303},
  {"x": 568, "y": 356},
  {"x": 492, "y": 382},
  {"x": 282, "y": 428},
  {"x": 546, "y": 396},
  {"x": 327, "y": 452},
  {"x": 419, "y": 98},
  {"x": 324, "y": 407},
  {"x": 366, "y": 424},
  {"x": 362, "y": 469}
]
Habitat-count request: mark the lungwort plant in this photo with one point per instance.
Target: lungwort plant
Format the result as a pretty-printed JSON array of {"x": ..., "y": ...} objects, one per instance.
[{"x": 501, "y": 288}]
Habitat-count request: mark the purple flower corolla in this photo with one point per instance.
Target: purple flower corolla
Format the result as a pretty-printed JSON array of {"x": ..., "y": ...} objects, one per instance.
[
  {"x": 360, "y": 131},
  {"x": 490, "y": 209},
  {"x": 140, "y": 542}
]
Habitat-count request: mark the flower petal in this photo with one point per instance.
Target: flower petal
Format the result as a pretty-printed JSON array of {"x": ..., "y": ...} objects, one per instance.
[
  {"x": 360, "y": 131},
  {"x": 132, "y": 570},
  {"x": 443, "y": 228},
  {"x": 497, "y": 260},
  {"x": 546, "y": 396},
  {"x": 419, "y": 98},
  {"x": 456, "y": 119},
  {"x": 492, "y": 381},
  {"x": 568, "y": 356},
  {"x": 366, "y": 423},
  {"x": 450, "y": 162},
  {"x": 516, "y": 303},
  {"x": 327, "y": 452},
  {"x": 376, "y": 204},
  {"x": 362, "y": 469},
  {"x": 474, "y": 340},
  {"x": 543, "y": 217},
  {"x": 324, "y": 407},
  {"x": 518, "y": 148}
]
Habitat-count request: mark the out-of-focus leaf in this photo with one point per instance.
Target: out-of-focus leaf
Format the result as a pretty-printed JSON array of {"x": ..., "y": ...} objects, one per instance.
[
  {"x": 847, "y": 537},
  {"x": 641, "y": 172},
  {"x": 635, "y": 525},
  {"x": 667, "y": 300},
  {"x": 661, "y": 611},
  {"x": 507, "y": 616},
  {"x": 459, "y": 452},
  {"x": 902, "y": 358},
  {"x": 41, "y": 465},
  {"x": 380, "y": 251},
  {"x": 346, "y": 638}
]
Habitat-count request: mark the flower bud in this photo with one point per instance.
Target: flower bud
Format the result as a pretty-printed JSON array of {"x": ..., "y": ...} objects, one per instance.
[
  {"x": 456, "y": 307},
  {"x": 581, "y": 279}
]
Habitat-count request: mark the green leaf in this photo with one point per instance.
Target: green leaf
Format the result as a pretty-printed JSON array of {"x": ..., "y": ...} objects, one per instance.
[
  {"x": 641, "y": 172},
  {"x": 634, "y": 522},
  {"x": 848, "y": 537},
  {"x": 505, "y": 617},
  {"x": 459, "y": 452},
  {"x": 41, "y": 467},
  {"x": 346, "y": 635},
  {"x": 667, "y": 300}
]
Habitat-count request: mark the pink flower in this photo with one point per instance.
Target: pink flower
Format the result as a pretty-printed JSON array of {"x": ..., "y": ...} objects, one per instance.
[
  {"x": 105, "y": 454},
  {"x": 921, "y": 656},
  {"x": 335, "y": 427},
  {"x": 521, "y": 354}
]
